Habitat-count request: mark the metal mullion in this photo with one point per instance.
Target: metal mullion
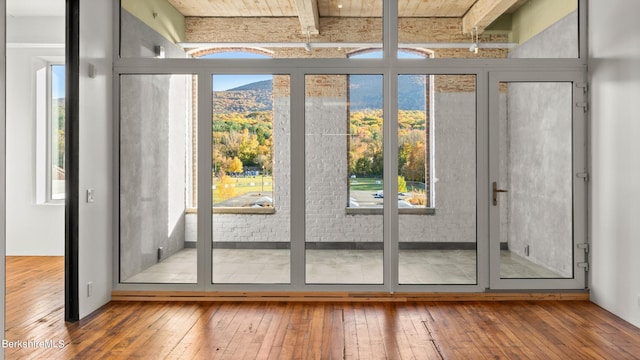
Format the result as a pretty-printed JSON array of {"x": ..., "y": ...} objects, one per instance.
[
  {"x": 240, "y": 65},
  {"x": 297, "y": 188},
  {"x": 115, "y": 91},
  {"x": 204, "y": 227},
  {"x": 583, "y": 23},
  {"x": 390, "y": 150},
  {"x": 254, "y": 66},
  {"x": 390, "y": 146},
  {"x": 483, "y": 162},
  {"x": 494, "y": 172},
  {"x": 580, "y": 185}
]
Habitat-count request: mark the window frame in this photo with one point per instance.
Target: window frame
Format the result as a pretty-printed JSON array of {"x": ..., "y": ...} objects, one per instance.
[
  {"x": 297, "y": 68},
  {"x": 214, "y": 53},
  {"x": 430, "y": 209}
]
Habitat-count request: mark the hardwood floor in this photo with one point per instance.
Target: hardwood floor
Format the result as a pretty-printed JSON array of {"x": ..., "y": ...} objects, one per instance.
[{"x": 301, "y": 330}]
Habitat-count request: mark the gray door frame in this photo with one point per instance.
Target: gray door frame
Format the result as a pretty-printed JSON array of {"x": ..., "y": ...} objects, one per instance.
[{"x": 579, "y": 166}]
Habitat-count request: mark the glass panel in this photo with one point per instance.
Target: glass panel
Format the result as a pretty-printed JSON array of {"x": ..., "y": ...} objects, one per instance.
[
  {"x": 536, "y": 230},
  {"x": 365, "y": 156},
  {"x": 251, "y": 179},
  {"x": 437, "y": 166},
  {"x": 176, "y": 29},
  {"x": 464, "y": 29},
  {"x": 343, "y": 122},
  {"x": 57, "y": 131},
  {"x": 158, "y": 179}
]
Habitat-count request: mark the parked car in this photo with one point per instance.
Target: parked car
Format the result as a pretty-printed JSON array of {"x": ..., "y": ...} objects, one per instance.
[
  {"x": 264, "y": 201},
  {"x": 401, "y": 195}
]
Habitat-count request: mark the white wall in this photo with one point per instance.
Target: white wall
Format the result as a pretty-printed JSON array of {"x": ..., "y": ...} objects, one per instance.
[
  {"x": 614, "y": 66},
  {"x": 32, "y": 229},
  {"x": 96, "y": 149},
  {"x": 35, "y": 29}
]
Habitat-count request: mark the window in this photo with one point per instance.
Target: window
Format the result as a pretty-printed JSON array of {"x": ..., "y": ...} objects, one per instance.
[
  {"x": 415, "y": 137},
  {"x": 242, "y": 141},
  {"x": 243, "y": 136},
  {"x": 50, "y": 99}
]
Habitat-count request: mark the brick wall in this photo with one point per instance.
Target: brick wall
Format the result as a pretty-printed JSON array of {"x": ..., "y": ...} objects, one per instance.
[{"x": 338, "y": 30}]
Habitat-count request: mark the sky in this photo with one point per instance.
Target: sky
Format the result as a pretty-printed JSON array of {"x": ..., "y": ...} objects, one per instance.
[
  {"x": 226, "y": 82},
  {"x": 57, "y": 81}
]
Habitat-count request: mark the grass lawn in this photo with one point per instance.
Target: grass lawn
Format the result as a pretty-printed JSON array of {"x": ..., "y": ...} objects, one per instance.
[
  {"x": 366, "y": 184},
  {"x": 240, "y": 186}
]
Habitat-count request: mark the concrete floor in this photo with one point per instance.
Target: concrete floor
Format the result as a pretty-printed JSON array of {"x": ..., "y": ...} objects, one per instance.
[{"x": 259, "y": 266}]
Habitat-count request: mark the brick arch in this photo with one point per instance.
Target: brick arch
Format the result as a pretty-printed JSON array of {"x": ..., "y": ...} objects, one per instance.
[
  {"x": 203, "y": 52},
  {"x": 424, "y": 52}
]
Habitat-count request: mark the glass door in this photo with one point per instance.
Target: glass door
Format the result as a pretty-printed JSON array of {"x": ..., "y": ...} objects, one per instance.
[
  {"x": 250, "y": 174},
  {"x": 344, "y": 179},
  {"x": 537, "y": 184},
  {"x": 437, "y": 174}
]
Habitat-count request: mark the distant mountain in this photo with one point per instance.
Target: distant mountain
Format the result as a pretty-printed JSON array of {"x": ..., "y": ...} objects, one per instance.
[
  {"x": 260, "y": 85},
  {"x": 247, "y": 98},
  {"x": 366, "y": 93}
]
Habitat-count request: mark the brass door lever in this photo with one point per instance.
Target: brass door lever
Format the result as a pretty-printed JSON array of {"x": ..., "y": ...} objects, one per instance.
[{"x": 495, "y": 193}]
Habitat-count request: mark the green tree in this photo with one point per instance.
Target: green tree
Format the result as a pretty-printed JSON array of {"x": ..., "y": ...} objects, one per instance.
[{"x": 363, "y": 166}]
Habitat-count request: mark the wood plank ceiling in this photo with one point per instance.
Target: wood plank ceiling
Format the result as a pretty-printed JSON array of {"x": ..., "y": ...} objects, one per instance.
[
  {"x": 346, "y": 8},
  {"x": 474, "y": 13}
]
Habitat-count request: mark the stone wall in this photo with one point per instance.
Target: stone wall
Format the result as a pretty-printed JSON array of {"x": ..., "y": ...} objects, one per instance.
[
  {"x": 539, "y": 156},
  {"x": 155, "y": 119},
  {"x": 559, "y": 40},
  {"x": 154, "y": 114}
]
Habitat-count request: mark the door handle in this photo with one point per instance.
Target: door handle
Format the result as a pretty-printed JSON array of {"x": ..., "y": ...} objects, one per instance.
[{"x": 495, "y": 193}]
